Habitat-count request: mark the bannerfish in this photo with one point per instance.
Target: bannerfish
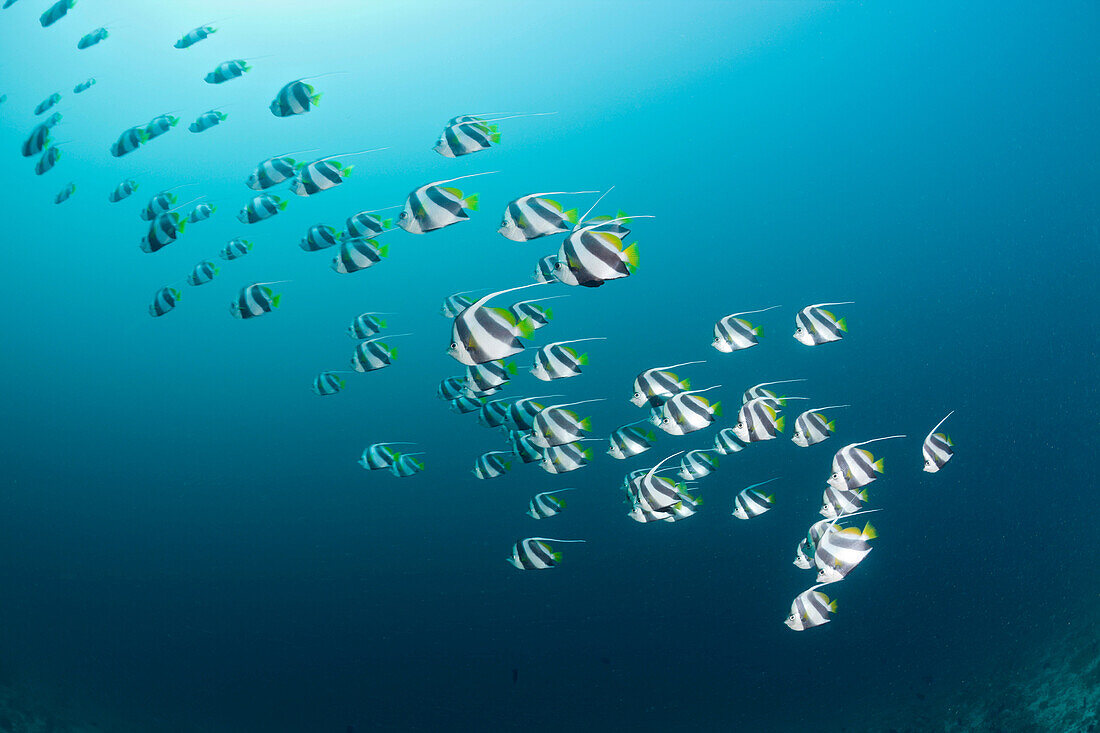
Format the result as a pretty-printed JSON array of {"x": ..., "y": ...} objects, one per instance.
[
  {"x": 814, "y": 325},
  {"x": 733, "y": 333},
  {"x": 812, "y": 427},
  {"x": 937, "y": 448}
]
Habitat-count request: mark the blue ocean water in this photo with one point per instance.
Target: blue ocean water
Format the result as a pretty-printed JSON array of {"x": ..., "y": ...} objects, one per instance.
[{"x": 188, "y": 544}]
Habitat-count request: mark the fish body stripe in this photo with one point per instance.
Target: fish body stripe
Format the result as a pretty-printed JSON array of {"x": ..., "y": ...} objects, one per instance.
[
  {"x": 355, "y": 255},
  {"x": 816, "y": 326},
  {"x": 563, "y": 458},
  {"x": 556, "y": 426},
  {"x": 163, "y": 301},
  {"x": 226, "y": 71},
  {"x": 203, "y": 273},
  {"x": 404, "y": 466},
  {"x": 812, "y": 427},
  {"x": 327, "y": 383},
  {"x": 377, "y": 456},
  {"x": 252, "y": 301},
  {"x": 319, "y": 236},
  {"x": 726, "y": 442},
  {"x": 272, "y": 172},
  {"x": 531, "y": 554},
  {"x": 735, "y": 333},
  {"x": 530, "y": 217},
  {"x": 628, "y": 441},
  {"x": 809, "y": 609},
  {"x": 839, "y": 502},
  {"x": 937, "y": 450},
  {"x": 463, "y": 405},
  {"x": 685, "y": 413},
  {"x": 316, "y": 177},
  {"x": 363, "y": 224},
  {"x": 372, "y": 355}
]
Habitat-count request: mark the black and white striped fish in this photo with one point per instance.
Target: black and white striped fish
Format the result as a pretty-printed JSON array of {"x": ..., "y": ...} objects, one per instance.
[
  {"x": 123, "y": 191},
  {"x": 839, "y": 552},
  {"x": 687, "y": 412},
  {"x": 521, "y": 445},
  {"x": 807, "y": 546},
  {"x": 295, "y": 98},
  {"x": 660, "y": 494},
  {"x": 47, "y": 103},
  {"x": 675, "y": 513},
  {"x": 320, "y": 175},
  {"x": 534, "y": 554},
  {"x": 564, "y": 458},
  {"x": 203, "y": 273},
  {"x": 558, "y": 361},
  {"x": 235, "y": 249},
  {"x": 254, "y": 300},
  {"x": 227, "y": 71},
  {"x": 546, "y": 271},
  {"x": 751, "y": 503},
  {"x": 433, "y": 206},
  {"x": 937, "y": 448},
  {"x": 366, "y": 325},
  {"x": 450, "y": 387},
  {"x": 365, "y": 224},
  {"x": 839, "y": 502},
  {"x": 194, "y": 36},
  {"x": 590, "y": 258},
  {"x": 207, "y": 120},
  {"x": 854, "y": 467},
  {"x": 161, "y": 203},
  {"x": 546, "y": 504},
  {"x": 455, "y": 303},
  {"x": 37, "y": 141},
  {"x": 55, "y": 12},
  {"x": 492, "y": 464},
  {"x": 727, "y": 442},
  {"x": 64, "y": 194},
  {"x": 164, "y": 300},
  {"x": 261, "y": 207},
  {"x": 91, "y": 39},
  {"x": 810, "y": 608},
  {"x": 358, "y": 254},
  {"x": 465, "y": 138},
  {"x": 759, "y": 420},
  {"x": 696, "y": 464},
  {"x": 319, "y": 236},
  {"x": 493, "y": 413},
  {"x": 328, "y": 383},
  {"x": 374, "y": 354},
  {"x": 485, "y": 378},
  {"x": 522, "y": 412},
  {"x": 201, "y": 212},
  {"x": 654, "y": 386},
  {"x": 405, "y": 465},
  {"x": 532, "y": 216},
  {"x": 272, "y": 172},
  {"x": 538, "y": 315},
  {"x": 84, "y": 85},
  {"x": 732, "y": 333},
  {"x": 814, "y": 325},
  {"x": 49, "y": 159},
  {"x": 163, "y": 230},
  {"x": 480, "y": 334},
  {"x": 812, "y": 427},
  {"x": 160, "y": 125},
  {"x": 129, "y": 141},
  {"x": 628, "y": 441},
  {"x": 379, "y": 455},
  {"x": 463, "y": 404},
  {"x": 555, "y": 425}
]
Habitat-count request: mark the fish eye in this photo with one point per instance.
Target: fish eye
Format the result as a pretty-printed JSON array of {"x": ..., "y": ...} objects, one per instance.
[
  {"x": 404, "y": 215},
  {"x": 454, "y": 345},
  {"x": 504, "y": 223}
]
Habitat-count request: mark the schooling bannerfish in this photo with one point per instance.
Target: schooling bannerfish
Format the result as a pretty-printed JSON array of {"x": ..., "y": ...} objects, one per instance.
[
  {"x": 687, "y": 412},
  {"x": 194, "y": 36},
  {"x": 751, "y": 503},
  {"x": 379, "y": 455},
  {"x": 533, "y": 216},
  {"x": 160, "y": 125},
  {"x": 235, "y": 249},
  {"x": 546, "y": 504},
  {"x": 810, "y": 608},
  {"x": 534, "y": 553},
  {"x": 727, "y": 442},
  {"x": 558, "y": 361},
  {"x": 203, "y": 273},
  {"x": 732, "y": 333},
  {"x": 937, "y": 448},
  {"x": 358, "y": 254},
  {"x": 84, "y": 86},
  {"x": 433, "y": 206},
  {"x": 207, "y": 120},
  {"x": 164, "y": 300},
  {"x": 227, "y": 71},
  {"x": 272, "y": 172},
  {"x": 814, "y": 325},
  {"x": 91, "y": 39},
  {"x": 295, "y": 98},
  {"x": 492, "y": 464},
  {"x": 812, "y": 427},
  {"x": 655, "y": 386},
  {"x": 480, "y": 334},
  {"x": 129, "y": 141},
  {"x": 328, "y": 383},
  {"x": 628, "y": 441},
  {"x": 854, "y": 467},
  {"x": 123, "y": 191},
  {"x": 64, "y": 194},
  {"x": 254, "y": 300},
  {"x": 366, "y": 325},
  {"x": 261, "y": 207},
  {"x": 55, "y": 12},
  {"x": 696, "y": 464}
]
